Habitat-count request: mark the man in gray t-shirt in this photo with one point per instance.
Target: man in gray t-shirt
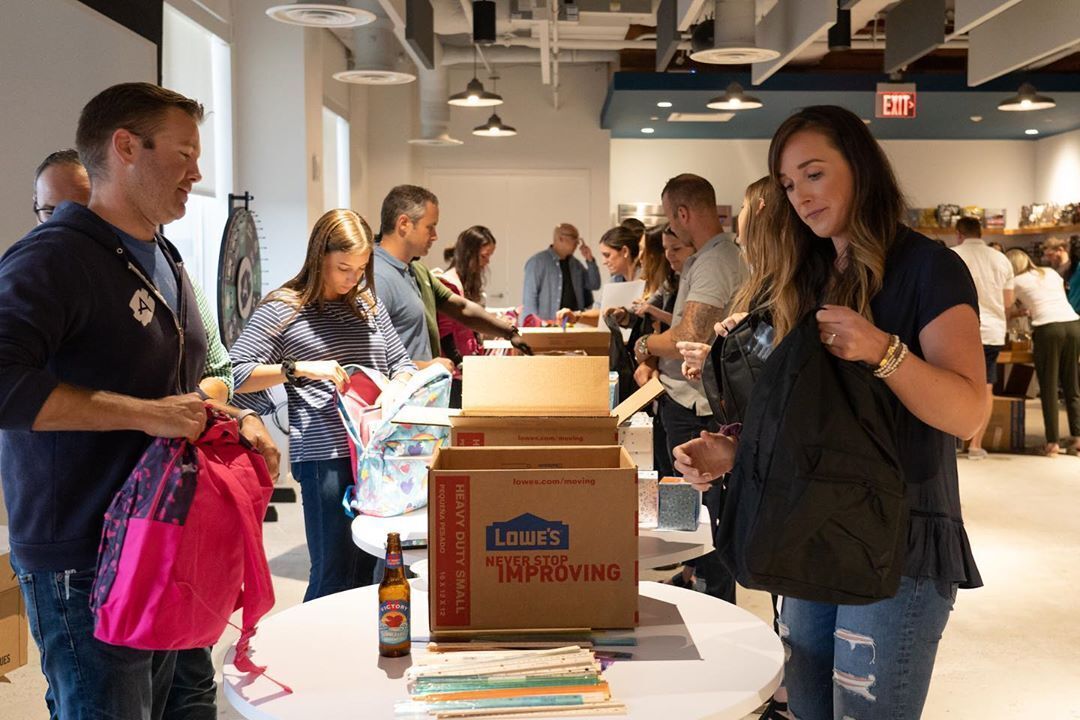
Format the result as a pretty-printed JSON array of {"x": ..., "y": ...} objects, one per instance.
[{"x": 709, "y": 280}]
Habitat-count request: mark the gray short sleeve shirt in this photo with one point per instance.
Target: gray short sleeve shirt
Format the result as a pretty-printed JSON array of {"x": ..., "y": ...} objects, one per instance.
[
  {"x": 396, "y": 287},
  {"x": 710, "y": 276}
]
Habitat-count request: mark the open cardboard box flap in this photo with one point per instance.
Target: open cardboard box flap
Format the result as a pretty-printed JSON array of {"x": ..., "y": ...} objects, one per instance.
[{"x": 549, "y": 386}]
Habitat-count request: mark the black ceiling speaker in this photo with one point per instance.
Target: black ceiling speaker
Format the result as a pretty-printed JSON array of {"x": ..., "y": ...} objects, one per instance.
[
  {"x": 483, "y": 21},
  {"x": 840, "y": 33}
]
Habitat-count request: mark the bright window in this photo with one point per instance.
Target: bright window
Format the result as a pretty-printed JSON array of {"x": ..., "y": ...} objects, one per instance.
[
  {"x": 335, "y": 161},
  {"x": 198, "y": 64}
]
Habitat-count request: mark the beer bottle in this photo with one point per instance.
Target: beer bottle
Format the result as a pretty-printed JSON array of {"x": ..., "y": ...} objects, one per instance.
[{"x": 395, "y": 634}]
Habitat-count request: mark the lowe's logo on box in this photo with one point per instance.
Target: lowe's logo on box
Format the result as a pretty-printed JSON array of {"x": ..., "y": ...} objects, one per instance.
[{"x": 528, "y": 532}]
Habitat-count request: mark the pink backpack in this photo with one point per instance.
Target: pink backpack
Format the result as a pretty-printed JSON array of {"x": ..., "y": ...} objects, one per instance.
[{"x": 182, "y": 545}]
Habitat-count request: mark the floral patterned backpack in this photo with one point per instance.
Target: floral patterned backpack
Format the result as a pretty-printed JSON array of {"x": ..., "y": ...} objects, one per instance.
[{"x": 390, "y": 460}]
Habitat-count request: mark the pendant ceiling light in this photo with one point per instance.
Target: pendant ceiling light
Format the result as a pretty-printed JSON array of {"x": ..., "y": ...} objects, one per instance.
[
  {"x": 475, "y": 95},
  {"x": 494, "y": 127},
  {"x": 1026, "y": 99},
  {"x": 324, "y": 14},
  {"x": 734, "y": 99}
]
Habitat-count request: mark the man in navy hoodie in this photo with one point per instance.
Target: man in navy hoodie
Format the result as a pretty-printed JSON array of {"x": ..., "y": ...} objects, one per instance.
[{"x": 101, "y": 349}]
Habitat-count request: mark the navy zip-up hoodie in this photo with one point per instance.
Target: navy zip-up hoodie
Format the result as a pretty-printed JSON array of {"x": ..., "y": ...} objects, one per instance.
[{"x": 75, "y": 308}]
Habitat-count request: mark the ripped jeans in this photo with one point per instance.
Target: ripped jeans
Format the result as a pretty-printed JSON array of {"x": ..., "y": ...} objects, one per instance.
[{"x": 864, "y": 662}]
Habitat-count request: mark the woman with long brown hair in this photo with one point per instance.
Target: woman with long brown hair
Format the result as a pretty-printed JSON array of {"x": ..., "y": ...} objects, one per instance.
[
  {"x": 890, "y": 298},
  {"x": 300, "y": 336},
  {"x": 466, "y": 276}
]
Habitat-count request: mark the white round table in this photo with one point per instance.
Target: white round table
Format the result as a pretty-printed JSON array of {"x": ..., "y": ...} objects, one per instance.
[
  {"x": 697, "y": 657},
  {"x": 655, "y": 547}
]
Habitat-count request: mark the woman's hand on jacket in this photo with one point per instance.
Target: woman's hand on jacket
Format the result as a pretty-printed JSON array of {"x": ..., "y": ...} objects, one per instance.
[
  {"x": 849, "y": 336},
  {"x": 705, "y": 459},
  {"x": 728, "y": 324}
]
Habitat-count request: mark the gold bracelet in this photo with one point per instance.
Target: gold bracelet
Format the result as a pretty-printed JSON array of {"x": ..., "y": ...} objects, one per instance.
[
  {"x": 890, "y": 352},
  {"x": 894, "y": 363}
]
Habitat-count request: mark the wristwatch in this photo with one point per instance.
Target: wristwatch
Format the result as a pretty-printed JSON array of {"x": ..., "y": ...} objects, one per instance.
[
  {"x": 288, "y": 368},
  {"x": 641, "y": 347}
]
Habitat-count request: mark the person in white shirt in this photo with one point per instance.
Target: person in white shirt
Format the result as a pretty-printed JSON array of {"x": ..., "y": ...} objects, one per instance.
[
  {"x": 993, "y": 276},
  {"x": 1055, "y": 344}
]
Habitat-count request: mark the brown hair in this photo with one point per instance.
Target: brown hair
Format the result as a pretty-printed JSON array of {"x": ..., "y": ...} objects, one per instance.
[
  {"x": 690, "y": 190},
  {"x": 803, "y": 272},
  {"x": 655, "y": 269},
  {"x": 138, "y": 108},
  {"x": 408, "y": 200},
  {"x": 620, "y": 237},
  {"x": 467, "y": 260},
  {"x": 761, "y": 242},
  {"x": 336, "y": 231},
  {"x": 969, "y": 227}
]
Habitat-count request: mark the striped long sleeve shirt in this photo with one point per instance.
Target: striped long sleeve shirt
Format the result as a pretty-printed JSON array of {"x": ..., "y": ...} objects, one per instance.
[{"x": 274, "y": 334}]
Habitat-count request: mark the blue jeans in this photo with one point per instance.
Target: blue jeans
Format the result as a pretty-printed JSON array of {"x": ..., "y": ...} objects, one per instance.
[
  {"x": 871, "y": 662},
  {"x": 193, "y": 695},
  {"x": 336, "y": 563},
  {"x": 89, "y": 679}
]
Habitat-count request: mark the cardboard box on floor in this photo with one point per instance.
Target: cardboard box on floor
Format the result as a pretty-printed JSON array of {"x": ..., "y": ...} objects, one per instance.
[
  {"x": 1006, "y": 430},
  {"x": 14, "y": 630},
  {"x": 532, "y": 537},
  {"x": 541, "y": 401}
]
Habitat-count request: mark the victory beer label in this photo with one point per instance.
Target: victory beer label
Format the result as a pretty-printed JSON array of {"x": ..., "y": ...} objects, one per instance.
[{"x": 393, "y": 622}]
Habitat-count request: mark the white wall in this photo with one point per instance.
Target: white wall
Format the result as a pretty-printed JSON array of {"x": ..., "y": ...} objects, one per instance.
[
  {"x": 1057, "y": 169},
  {"x": 54, "y": 56},
  {"x": 569, "y": 138},
  {"x": 998, "y": 173},
  {"x": 271, "y": 133}
]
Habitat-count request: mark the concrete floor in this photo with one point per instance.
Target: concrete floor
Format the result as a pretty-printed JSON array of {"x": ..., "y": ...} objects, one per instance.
[{"x": 1011, "y": 649}]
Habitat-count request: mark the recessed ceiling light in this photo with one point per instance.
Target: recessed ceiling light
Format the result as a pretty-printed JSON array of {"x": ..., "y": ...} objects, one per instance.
[
  {"x": 866, "y": 121},
  {"x": 663, "y": 103},
  {"x": 655, "y": 117},
  {"x": 1031, "y": 131},
  {"x": 648, "y": 131},
  {"x": 976, "y": 118}
]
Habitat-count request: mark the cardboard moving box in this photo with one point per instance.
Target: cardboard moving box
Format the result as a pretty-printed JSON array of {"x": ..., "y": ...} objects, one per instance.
[
  {"x": 532, "y": 537},
  {"x": 541, "y": 401},
  {"x": 1006, "y": 430},
  {"x": 14, "y": 630},
  {"x": 594, "y": 341}
]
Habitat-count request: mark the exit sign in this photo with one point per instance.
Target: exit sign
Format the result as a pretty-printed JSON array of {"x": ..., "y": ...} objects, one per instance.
[{"x": 895, "y": 100}]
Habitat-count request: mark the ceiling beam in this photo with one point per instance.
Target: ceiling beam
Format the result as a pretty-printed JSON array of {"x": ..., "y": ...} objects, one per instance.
[
  {"x": 970, "y": 13},
  {"x": 1020, "y": 36},
  {"x": 668, "y": 36},
  {"x": 912, "y": 29},
  {"x": 687, "y": 12},
  {"x": 789, "y": 28}
]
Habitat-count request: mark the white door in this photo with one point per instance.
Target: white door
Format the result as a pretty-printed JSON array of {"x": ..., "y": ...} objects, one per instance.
[{"x": 521, "y": 207}]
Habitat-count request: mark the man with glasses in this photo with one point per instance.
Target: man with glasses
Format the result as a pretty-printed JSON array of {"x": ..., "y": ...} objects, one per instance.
[
  {"x": 554, "y": 279},
  {"x": 59, "y": 177}
]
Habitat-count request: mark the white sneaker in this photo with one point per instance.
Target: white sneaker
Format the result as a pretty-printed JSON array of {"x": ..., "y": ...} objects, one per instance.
[{"x": 977, "y": 454}]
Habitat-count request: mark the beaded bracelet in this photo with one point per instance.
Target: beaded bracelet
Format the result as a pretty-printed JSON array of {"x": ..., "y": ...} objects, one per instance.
[{"x": 895, "y": 356}]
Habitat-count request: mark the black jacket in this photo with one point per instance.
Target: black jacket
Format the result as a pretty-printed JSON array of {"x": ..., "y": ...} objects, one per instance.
[{"x": 76, "y": 309}]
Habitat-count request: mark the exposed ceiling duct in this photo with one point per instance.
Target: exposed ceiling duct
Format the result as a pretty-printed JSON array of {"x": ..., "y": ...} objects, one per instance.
[
  {"x": 434, "y": 112},
  {"x": 526, "y": 53},
  {"x": 377, "y": 57},
  {"x": 324, "y": 14},
  {"x": 733, "y": 41}
]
